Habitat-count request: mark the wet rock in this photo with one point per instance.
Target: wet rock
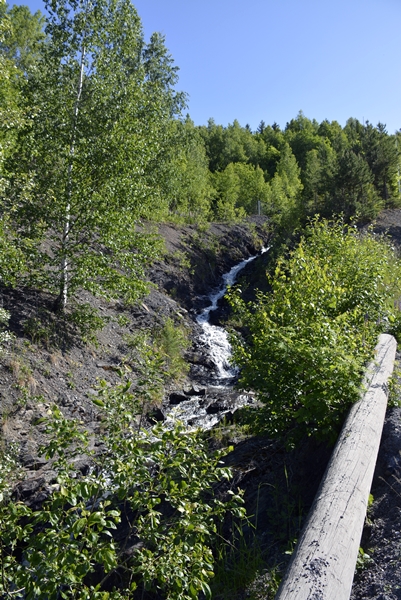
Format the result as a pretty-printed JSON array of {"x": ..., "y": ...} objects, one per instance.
[
  {"x": 216, "y": 407},
  {"x": 156, "y": 415},
  {"x": 177, "y": 398},
  {"x": 195, "y": 390},
  {"x": 197, "y": 358}
]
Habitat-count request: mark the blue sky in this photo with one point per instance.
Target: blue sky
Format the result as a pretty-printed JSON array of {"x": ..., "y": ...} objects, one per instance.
[{"x": 269, "y": 59}]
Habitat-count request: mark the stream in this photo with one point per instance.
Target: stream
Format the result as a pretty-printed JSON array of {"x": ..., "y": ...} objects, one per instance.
[{"x": 205, "y": 406}]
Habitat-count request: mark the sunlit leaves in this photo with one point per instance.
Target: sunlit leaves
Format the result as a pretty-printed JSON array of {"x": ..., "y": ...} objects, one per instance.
[
  {"x": 144, "y": 514},
  {"x": 99, "y": 111},
  {"x": 310, "y": 338}
]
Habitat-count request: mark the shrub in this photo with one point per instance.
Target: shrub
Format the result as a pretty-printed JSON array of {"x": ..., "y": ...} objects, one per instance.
[
  {"x": 307, "y": 341},
  {"x": 143, "y": 517},
  {"x": 171, "y": 340}
]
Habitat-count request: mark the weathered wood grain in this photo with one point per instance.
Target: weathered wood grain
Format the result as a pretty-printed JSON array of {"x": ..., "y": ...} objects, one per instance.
[{"x": 323, "y": 564}]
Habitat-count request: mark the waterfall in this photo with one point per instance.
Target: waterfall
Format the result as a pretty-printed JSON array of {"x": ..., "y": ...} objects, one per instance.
[
  {"x": 219, "y": 399},
  {"x": 216, "y": 338}
]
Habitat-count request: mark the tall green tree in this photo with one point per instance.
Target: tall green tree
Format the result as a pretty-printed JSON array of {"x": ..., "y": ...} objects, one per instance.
[
  {"x": 231, "y": 144},
  {"x": 381, "y": 155},
  {"x": 22, "y": 42},
  {"x": 302, "y": 135},
  {"x": 10, "y": 109},
  {"x": 239, "y": 188},
  {"x": 353, "y": 191},
  {"x": 214, "y": 140},
  {"x": 321, "y": 164},
  {"x": 185, "y": 188},
  {"x": 101, "y": 99},
  {"x": 227, "y": 185},
  {"x": 11, "y": 122},
  {"x": 285, "y": 192}
]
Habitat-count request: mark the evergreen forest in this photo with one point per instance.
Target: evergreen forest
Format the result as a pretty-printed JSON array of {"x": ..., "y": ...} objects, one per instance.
[{"x": 96, "y": 150}]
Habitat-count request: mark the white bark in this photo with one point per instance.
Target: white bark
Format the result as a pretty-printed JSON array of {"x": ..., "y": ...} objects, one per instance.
[{"x": 67, "y": 220}]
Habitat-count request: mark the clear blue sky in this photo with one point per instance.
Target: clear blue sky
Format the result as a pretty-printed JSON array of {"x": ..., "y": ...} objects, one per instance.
[{"x": 268, "y": 59}]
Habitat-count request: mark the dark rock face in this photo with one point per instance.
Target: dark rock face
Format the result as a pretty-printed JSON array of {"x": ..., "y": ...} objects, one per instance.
[
  {"x": 216, "y": 407},
  {"x": 211, "y": 253},
  {"x": 177, "y": 397},
  {"x": 156, "y": 415}
]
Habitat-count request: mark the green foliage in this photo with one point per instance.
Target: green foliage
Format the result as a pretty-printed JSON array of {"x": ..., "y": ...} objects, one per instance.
[
  {"x": 363, "y": 560},
  {"x": 227, "y": 185},
  {"x": 394, "y": 385},
  {"x": 171, "y": 340},
  {"x": 238, "y": 188},
  {"x": 308, "y": 340},
  {"x": 99, "y": 89},
  {"x": 164, "y": 347},
  {"x": 145, "y": 515},
  {"x": 86, "y": 321},
  {"x": 302, "y": 135},
  {"x": 5, "y": 336},
  {"x": 237, "y": 566},
  {"x": 22, "y": 42},
  {"x": 285, "y": 192},
  {"x": 12, "y": 531},
  {"x": 184, "y": 182},
  {"x": 80, "y": 323},
  {"x": 312, "y": 169},
  {"x": 11, "y": 113},
  {"x": 231, "y": 144}
]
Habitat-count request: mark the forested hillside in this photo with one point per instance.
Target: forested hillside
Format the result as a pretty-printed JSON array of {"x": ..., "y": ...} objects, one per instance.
[
  {"x": 98, "y": 156},
  {"x": 94, "y": 139}
]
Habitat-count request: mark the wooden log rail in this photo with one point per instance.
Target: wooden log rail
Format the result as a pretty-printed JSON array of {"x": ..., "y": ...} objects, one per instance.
[{"x": 323, "y": 564}]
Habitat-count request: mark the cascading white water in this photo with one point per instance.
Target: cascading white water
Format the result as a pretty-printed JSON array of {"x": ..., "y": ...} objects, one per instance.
[
  {"x": 194, "y": 411},
  {"x": 214, "y": 337}
]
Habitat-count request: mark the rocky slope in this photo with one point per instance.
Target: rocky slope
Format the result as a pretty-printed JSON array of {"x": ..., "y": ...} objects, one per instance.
[{"x": 46, "y": 365}]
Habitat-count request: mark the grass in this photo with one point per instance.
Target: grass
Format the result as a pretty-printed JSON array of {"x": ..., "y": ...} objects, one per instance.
[{"x": 241, "y": 568}]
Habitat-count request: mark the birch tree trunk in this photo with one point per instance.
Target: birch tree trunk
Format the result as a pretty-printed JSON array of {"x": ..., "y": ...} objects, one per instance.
[{"x": 64, "y": 273}]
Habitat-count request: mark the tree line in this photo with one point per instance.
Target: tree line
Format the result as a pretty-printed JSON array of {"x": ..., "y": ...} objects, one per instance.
[{"x": 94, "y": 140}]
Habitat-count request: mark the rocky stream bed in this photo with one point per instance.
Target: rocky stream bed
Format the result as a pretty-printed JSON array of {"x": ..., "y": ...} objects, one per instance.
[{"x": 279, "y": 485}]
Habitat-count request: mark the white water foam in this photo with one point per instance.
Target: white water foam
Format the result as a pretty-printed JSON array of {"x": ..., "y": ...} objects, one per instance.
[{"x": 216, "y": 338}]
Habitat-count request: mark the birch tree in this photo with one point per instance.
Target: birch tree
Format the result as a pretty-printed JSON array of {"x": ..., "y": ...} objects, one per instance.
[{"x": 98, "y": 118}]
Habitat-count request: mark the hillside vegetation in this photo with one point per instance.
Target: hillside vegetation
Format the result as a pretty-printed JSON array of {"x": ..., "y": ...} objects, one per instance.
[{"x": 116, "y": 212}]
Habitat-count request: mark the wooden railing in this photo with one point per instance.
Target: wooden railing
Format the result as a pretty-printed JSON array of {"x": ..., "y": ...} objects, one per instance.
[{"x": 323, "y": 564}]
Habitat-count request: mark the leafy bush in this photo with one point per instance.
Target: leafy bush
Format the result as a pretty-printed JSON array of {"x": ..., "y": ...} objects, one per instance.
[
  {"x": 165, "y": 345},
  {"x": 5, "y": 336},
  {"x": 171, "y": 340},
  {"x": 307, "y": 341},
  {"x": 87, "y": 321},
  {"x": 143, "y": 517}
]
